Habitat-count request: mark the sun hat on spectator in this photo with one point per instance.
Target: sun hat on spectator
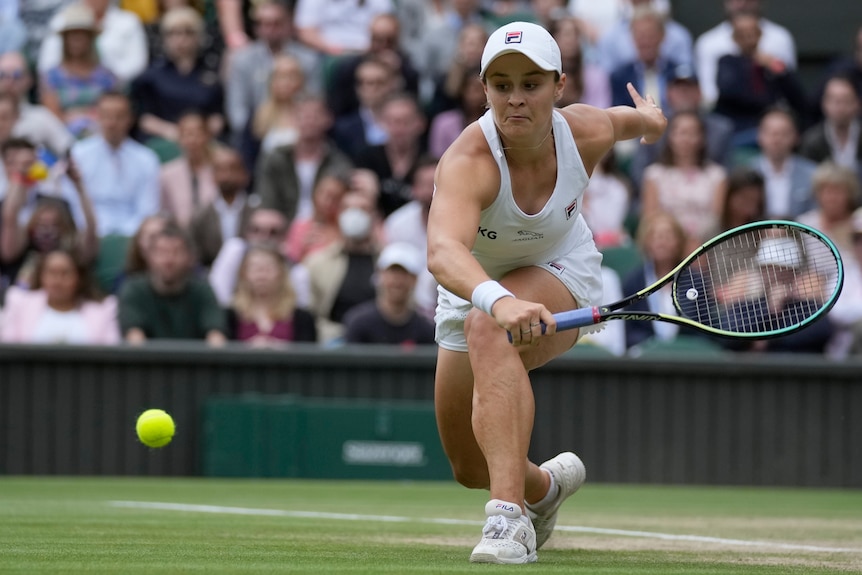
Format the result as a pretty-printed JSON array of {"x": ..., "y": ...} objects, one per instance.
[
  {"x": 77, "y": 16},
  {"x": 400, "y": 254}
]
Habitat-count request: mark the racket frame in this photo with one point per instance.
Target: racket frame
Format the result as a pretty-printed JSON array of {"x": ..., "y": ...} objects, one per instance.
[{"x": 592, "y": 315}]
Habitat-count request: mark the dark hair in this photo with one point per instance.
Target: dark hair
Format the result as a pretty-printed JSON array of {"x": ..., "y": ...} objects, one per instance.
[
  {"x": 666, "y": 155},
  {"x": 783, "y": 109},
  {"x": 173, "y": 231},
  {"x": 740, "y": 179},
  {"x": 87, "y": 289},
  {"x": 16, "y": 144}
]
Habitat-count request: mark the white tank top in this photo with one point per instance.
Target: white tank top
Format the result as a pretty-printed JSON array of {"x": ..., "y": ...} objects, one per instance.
[{"x": 508, "y": 238}]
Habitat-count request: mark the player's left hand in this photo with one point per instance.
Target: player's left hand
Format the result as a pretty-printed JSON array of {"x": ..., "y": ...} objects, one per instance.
[{"x": 655, "y": 121}]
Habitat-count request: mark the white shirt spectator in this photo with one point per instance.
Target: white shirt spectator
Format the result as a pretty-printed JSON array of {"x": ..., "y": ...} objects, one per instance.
[
  {"x": 340, "y": 23},
  {"x": 122, "y": 45},
  {"x": 718, "y": 41},
  {"x": 602, "y": 15},
  {"x": 123, "y": 183}
]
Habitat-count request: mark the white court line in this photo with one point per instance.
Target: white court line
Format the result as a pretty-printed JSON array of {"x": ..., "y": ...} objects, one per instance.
[{"x": 443, "y": 521}]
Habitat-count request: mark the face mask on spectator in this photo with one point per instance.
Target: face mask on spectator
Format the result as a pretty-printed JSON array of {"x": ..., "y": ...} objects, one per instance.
[{"x": 355, "y": 223}]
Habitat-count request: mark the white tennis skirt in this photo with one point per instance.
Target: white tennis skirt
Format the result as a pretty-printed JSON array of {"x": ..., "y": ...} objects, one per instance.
[{"x": 580, "y": 271}]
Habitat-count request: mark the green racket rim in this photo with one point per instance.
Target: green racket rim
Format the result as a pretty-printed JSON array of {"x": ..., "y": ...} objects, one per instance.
[{"x": 763, "y": 224}]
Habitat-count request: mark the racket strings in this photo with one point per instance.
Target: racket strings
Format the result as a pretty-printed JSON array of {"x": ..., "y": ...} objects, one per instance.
[{"x": 762, "y": 280}]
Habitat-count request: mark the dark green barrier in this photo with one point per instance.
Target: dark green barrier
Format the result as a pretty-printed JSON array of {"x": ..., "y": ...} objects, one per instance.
[{"x": 285, "y": 436}]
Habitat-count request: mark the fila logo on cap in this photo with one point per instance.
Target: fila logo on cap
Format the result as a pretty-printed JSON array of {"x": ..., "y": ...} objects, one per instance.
[{"x": 514, "y": 37}]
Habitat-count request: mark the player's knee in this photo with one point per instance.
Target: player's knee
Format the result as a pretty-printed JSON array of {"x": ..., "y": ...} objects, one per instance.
[{"x": 479, "y": 327}]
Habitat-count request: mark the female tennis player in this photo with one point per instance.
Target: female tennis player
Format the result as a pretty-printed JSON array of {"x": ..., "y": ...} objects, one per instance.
[{"x": 508, "y": 246}]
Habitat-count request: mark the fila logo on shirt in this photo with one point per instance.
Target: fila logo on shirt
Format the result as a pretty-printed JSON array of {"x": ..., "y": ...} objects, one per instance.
[
  {"x": 514, "y": 37},
  {"x": 571, "y": 209}
]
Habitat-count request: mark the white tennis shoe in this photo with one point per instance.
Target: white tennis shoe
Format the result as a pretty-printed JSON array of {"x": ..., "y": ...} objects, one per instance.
[
  {"x": 507, "y": 537},
  {"x": 569, "y": 474}
]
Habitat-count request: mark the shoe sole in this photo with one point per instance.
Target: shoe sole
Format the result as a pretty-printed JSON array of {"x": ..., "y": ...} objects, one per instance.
[{"x": 490, "y": 558}]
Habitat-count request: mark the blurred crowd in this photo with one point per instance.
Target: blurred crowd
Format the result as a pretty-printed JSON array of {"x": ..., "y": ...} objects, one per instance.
[{"x": 261, "y": 170}]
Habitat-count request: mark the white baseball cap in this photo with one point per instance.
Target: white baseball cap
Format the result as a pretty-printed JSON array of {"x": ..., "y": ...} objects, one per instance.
[
  {"x": 403, "y": 255},
  {"x": 525, "y": 38},
  {"x": 782, "y": 252}
]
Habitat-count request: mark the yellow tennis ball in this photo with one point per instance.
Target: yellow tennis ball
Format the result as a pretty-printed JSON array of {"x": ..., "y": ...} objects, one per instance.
[{"x": 155, "y": 428}]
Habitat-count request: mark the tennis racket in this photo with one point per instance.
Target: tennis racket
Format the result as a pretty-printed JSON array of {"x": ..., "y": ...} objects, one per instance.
[{"x": 761, "y": 280}]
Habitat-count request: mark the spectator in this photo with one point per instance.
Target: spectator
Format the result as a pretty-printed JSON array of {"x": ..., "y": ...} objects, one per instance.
[
  {"x": 684, "y": 182},
  {"x": 781, "y": 260},
  {"x": 250, "y": 67},
  {"x": 225, "y": 216},
  {"x": 8, "y": 116},
  {"x": 265, "y": 227},
  {"x": 546, "y": 12},
  {"x": 448, "y": 125},
  {"x": 445, "y": 41},
  {"x": 340, "y": 276},
  {"x": 394, "y": 161},
  {"x": 775, "y": 41},
  {"x": 122, "y": 42},
  {"x": 385, "y": 37},
  {"x": 264, "y": 311},
  {"x": 745, "y": 201},
  {"x": 836, "y": 191},
  {"x": 650, "y": 72},
  {"x": 141, "y": 245},
  {"x": 186, "y": 182},
  {"x": 33, "y": 223},
  {"x": 320, "y": 229},
  {"x": 408, "y": 224},
  {"x": 275, "y": 122},
  {"x": 63, "y": 306},
  {"x": 336, "y": 27},
  {"x": 586, "y": 82},
  {"x": 663, "y": 244},
  {"x": 71, "y": 89},
  {"x": 180, "y": 82},
  {"x": 606, "y": 203},
  {"x": 169, "y": 302},
  {"x": 751, "y": 82},
  {"x": 286, "y": 176},
  {"x": 212, "y": 44},
  {"x": 839, "y": 136},
  {"x": 35, "y": 123},
  {"x": 616, "y": 47},
  {"x": 683, "y": 95},
  {"x": 597, "y": 18},
  {"x": 787, "y": 175},
  {"x": 121, "y": 175},
  {"x": 441, "y": 90},
  {"x": 374, "y": 84},
  {"x": 849, "y": 66},
  {"x": 391, "y": 317}
]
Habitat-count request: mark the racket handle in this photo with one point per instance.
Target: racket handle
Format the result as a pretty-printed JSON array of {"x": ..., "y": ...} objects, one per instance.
[
  {"x": 572, "y": 319},
  {"x": 577, "y": 318}
]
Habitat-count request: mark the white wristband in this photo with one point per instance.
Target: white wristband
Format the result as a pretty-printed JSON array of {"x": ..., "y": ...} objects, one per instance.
[{"x": 486, "y": 294}]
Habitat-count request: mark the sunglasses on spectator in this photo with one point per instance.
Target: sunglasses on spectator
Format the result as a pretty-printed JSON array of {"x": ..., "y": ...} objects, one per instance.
[
  {"x": 269, "y": 232},
  {"x": 181, "y": 32},
  {"x": 11, "y": 74},
  {"x": 370, "y": 81}
]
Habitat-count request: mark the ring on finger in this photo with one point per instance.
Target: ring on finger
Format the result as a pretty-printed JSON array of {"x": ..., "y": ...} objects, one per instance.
[
  {"x": 537, "y": 324},
  {"x": 524, "y": 331}
]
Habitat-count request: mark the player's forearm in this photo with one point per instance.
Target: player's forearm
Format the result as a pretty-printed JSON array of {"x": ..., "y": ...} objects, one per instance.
[
  {"x": 629, "y": 123},
  {"x": 455, "y": 268}
]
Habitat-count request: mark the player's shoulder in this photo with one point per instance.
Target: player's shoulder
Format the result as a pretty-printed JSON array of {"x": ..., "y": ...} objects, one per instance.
[
  {"x": 587, "y": 123},
  {"x": 468, "y": 155}
]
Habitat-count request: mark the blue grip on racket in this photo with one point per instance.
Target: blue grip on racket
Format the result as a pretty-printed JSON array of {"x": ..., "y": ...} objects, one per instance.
[
  {"x": 572, "y": 319},
  {"x": 577, "y": 318}
]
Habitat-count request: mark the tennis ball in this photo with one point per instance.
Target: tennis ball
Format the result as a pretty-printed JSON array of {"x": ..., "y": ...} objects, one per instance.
[{"x": 155, "y": 428}]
